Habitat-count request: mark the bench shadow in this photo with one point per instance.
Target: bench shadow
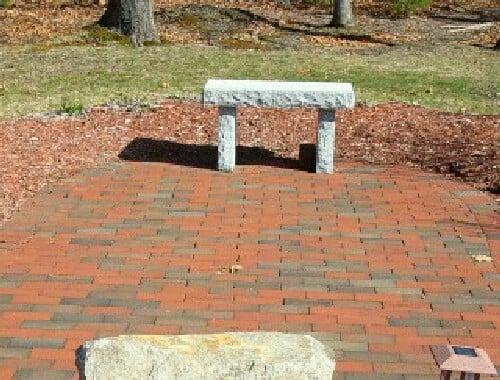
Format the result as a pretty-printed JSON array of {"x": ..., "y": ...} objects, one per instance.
[{"x": 205, "y": 156}]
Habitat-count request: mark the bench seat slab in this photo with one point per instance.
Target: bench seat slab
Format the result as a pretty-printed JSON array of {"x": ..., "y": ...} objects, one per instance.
[{"x": 278, "y": 94}]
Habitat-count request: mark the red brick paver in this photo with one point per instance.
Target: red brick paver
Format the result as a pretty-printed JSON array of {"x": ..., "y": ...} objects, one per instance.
[{"x": 376, "y": 262}]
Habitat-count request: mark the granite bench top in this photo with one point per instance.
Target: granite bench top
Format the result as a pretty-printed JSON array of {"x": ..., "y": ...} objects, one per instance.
[{"x": 278, "y": 94}]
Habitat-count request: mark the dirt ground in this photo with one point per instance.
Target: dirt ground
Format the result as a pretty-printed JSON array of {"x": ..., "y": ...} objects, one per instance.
[{"x": 264, "y": 24}]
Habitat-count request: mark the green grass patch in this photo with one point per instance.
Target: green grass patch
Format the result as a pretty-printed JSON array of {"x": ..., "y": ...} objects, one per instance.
[
  {"x": 451, "y": 78},
  {"x": 234, "y": 43},
  {"x": 188, "y": 21},
  {"x": 405, "y": 8},
  {"x": 5, "y": 3},
  {"x": 71, "y": 107},
  {"x": 320, "y": 3},
  {"x": 95, "y": 34}
]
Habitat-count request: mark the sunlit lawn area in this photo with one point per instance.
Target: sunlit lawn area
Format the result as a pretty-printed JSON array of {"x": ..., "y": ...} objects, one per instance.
[{"x": 38, "y": 79}]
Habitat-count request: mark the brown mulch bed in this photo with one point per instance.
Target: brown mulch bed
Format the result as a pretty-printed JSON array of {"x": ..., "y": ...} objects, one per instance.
[{"x": 40, "y": 151}]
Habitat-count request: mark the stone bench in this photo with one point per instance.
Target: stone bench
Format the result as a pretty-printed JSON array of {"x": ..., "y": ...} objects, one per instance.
[{"x": 327, "y": 97}]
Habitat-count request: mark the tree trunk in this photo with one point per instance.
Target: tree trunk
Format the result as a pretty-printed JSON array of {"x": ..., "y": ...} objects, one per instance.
[
  {"x": 497, "y": 46},
  {"x": 342, "y": 13},
  {"x": 133, "y": 18}
]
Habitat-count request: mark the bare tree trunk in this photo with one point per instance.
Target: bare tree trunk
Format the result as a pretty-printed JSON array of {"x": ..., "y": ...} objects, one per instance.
[
  {"x": 342, "y": 13},
  {"x": 133, "y": 18}
]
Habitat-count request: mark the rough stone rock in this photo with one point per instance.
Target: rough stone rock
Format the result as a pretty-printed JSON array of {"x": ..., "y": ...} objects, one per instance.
[
  {"x": 260, "y": 93},
  {"x": 262, "y": 355}
]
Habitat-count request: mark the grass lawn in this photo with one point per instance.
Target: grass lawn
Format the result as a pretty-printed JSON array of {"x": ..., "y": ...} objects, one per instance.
[{"x": 34, "y": 79}]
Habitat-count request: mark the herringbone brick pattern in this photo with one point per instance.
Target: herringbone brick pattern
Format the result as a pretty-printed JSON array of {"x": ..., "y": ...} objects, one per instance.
[{"x": 376, "y": 262}]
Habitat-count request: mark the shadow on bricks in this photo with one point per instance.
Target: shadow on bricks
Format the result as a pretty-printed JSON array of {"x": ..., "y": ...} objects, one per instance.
[{"x": 201, "y": 156}]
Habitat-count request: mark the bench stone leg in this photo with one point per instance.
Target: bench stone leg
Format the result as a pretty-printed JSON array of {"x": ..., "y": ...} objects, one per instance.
[
  {"x": 227, "y": 139},
  {"x": 325, "y": 141}
]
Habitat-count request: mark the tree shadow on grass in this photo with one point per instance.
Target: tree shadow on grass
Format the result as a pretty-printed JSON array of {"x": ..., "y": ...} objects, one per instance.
[
  {"x": 306, "y": 28},
  {"x": 472, "y": 16},
  {"x": 205, "y": 156},
  {"x": 224, "y": 21}
]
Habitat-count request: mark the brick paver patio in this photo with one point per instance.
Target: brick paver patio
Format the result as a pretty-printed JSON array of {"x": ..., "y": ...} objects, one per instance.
[{"x": 376, "y": 262}]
